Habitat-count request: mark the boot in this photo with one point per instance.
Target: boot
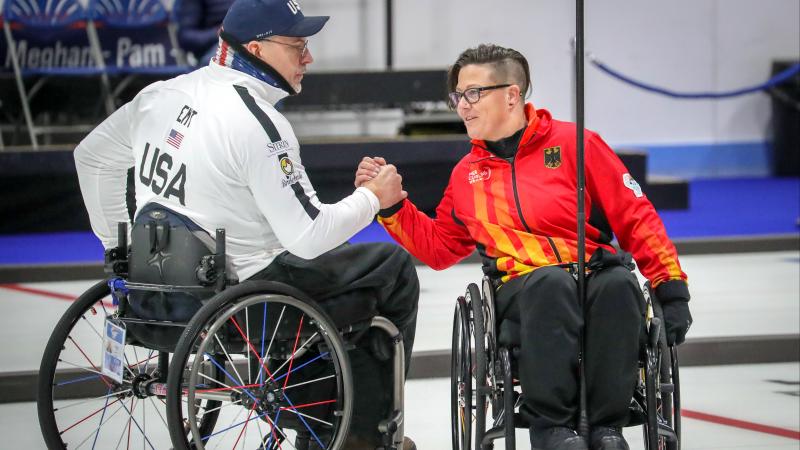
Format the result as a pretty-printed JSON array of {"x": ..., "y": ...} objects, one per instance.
[
  {"x": 557, "y": 438},
  {"x": 608, "y": 438}
]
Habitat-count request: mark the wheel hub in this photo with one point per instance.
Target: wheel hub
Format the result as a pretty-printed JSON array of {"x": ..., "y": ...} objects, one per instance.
[{"x": 267, "y": 398}]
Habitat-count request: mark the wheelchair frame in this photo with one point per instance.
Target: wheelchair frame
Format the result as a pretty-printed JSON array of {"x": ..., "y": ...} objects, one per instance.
[
  {"x": 199, "y": 381},
  {"x": 481, "y": 372}
]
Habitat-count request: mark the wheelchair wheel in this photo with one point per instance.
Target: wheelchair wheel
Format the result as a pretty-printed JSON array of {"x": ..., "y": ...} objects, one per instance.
[
  {"x": 286, "y": 372},
  {"x": 508, "y": 399},
  {"x": 662, "y": 391},
  {"x": 78, "y": 405},
  {"x": 461, "y": 382},
  {"x": 481, "y": 363}
]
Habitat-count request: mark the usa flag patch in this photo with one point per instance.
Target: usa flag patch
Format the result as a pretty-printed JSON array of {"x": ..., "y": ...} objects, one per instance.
[{"x": 175, "y": 138}]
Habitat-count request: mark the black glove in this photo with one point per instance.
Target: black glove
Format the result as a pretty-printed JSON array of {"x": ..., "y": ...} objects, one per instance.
[
  {"x": 677, "y": 320},
  {"x": 674, "y": 297}
]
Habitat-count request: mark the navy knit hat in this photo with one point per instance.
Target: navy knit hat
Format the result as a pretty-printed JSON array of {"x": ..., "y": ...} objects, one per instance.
[{"x": 249, "y": 20}]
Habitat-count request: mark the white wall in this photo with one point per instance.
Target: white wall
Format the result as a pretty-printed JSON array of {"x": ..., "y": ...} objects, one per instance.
[{"x": 686, "y": 45}]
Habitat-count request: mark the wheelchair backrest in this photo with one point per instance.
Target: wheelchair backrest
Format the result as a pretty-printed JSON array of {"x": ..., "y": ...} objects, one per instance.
[{"x": 166, "y": 249}]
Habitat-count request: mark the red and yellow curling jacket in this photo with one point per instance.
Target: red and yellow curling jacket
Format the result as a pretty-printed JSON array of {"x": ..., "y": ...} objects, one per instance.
[{"x": 521, "y": 212}]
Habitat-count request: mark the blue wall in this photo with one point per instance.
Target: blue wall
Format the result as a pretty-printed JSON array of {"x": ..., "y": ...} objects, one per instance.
[{"x": 692, "y": 161}]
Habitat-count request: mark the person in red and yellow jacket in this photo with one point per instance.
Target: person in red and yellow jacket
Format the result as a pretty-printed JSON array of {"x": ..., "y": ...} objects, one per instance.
[{"x": 513, "y": 197}]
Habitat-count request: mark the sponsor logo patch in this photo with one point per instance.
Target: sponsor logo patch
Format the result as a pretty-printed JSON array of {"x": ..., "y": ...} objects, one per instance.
[
  {"x": 631, "y": 184},
  {"x": 286, "y": 165},
  {"x": 291, "y": 179},
  {"x": 275, "y": 147},
  {"x": 476, "y": 175},
  {"x": 552, "y": 157}
]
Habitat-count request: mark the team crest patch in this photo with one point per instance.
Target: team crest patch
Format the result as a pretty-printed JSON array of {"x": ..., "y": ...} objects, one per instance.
[
  {"x": 631, "y": 184},
  {"x": 552, "y": 157},
  {"x": 286, "y": 165}
]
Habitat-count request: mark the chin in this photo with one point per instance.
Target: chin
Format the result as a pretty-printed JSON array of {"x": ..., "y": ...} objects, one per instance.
[{"x": 475, "y": 134}]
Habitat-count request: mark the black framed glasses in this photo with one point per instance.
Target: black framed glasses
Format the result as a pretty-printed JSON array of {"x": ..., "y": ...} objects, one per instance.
[
  {"x": 471, "y": 95},
  {"x": 302, "y": 49}
]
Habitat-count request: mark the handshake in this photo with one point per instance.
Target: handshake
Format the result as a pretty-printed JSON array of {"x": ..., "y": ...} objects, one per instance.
[{"x": 382, "y": 179}]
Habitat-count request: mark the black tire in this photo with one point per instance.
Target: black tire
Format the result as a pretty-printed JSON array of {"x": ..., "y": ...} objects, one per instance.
[
  {"x": 652, "y": 402},
  {"x": 676, "y": 396},
  {"x": 493, "y": 374},
  {"x": 326, "y": 416},
  {"x": 70, "y": 372},
  {"x": 668, "y": 408},
  {"x": 662, "y": 402},
  {"x": 461, "y": 379},
  {"x": 481, "y": 362},
  {"x": 508, "y": 399}
]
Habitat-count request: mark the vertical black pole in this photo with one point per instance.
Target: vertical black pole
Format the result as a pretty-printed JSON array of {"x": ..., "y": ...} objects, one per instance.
[
  {"x": 583, "y": 421},
  {"x": 389, "y": 35}
]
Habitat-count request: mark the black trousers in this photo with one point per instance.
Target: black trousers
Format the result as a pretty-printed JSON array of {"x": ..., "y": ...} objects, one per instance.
[
  {"x": 545, "y": 305},
  {"x": 385, "y": 272}
]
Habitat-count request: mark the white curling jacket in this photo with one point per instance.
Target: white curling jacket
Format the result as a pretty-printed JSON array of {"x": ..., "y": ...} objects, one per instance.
[{"x": 211, "y": 146}]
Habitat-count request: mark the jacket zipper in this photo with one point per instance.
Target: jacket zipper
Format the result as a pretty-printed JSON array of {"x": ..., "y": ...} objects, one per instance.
[{"x": 519, "y": 207}]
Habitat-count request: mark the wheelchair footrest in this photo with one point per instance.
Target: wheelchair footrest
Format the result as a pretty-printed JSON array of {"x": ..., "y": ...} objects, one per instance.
[
  {"x": 388, "y": 429},
  {"x": 492, "y": 434}
]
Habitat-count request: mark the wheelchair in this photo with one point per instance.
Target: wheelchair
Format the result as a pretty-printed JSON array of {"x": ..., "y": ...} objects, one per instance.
[
  {"x": 172, "y": 352},
  {"x": 484, "y": 389}
]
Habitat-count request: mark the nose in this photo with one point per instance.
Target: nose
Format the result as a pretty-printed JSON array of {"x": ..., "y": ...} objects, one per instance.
[
  {"x": 463, "y": 105},
  {"x": 307, "y": 58}
]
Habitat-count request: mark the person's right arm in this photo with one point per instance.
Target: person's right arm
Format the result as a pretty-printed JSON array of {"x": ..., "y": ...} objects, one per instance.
[
  {"x": 281, "y": 188},
  {"x": 102, "y": 160}
]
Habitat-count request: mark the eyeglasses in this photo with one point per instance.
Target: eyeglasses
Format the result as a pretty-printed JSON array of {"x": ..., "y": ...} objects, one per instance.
[
  {"x": 471, "y": 95},
  {"x": 302, "y": 49}
]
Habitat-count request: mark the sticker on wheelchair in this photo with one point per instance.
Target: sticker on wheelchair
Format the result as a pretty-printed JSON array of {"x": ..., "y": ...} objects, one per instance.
[{"x": 113, "y": 351}]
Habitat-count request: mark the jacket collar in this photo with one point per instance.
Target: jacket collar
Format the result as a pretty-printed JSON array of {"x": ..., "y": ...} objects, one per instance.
[
  {"x": 539, "y": 121},
  {"x": 259, "y": 88}
]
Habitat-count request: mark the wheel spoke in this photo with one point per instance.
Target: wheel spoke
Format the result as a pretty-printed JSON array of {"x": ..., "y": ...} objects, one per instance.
[
  {"x": 102, "y": 397},
  {"x": 294, "y": 350},
  {"x": 96, "y": 432},
  {"x": 228, "y": 357},
  {"x": 272, "y": 339},
  {"x": 77, "y": 380},
  {"x": 309, "y": 381},
  {"x": 87, "y": 417},
  {"x": 320, "y": 356},
  {"x": 210, "y": 358},
  {"x": 250, "y": 344}
]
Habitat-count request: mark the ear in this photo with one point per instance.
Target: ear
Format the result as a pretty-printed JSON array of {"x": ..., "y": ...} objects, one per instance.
[
  {"x": 513, "y": 95},
  {"x": 254, "y": 48}
]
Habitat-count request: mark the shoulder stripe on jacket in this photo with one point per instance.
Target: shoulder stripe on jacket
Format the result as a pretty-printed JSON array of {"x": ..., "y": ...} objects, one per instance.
[
  {"x": 259, "y": 114},
  {"x": 274, "y": 136},
  {"x": 311, "y": 210}
]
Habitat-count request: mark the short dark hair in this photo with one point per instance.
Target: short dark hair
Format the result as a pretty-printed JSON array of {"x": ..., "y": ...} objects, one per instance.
[{"x": 508, "y": 65}]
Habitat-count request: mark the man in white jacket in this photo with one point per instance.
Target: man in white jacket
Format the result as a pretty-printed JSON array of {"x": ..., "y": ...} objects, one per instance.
[{"x": 211, "y": 146}]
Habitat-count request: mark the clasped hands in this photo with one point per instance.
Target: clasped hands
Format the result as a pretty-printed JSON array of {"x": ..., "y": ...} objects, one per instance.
[{"x": 382, "y": 179}]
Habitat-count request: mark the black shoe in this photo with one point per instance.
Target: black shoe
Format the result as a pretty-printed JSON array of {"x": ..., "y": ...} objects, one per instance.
[
  {"x": 557, "y": 438},
  {"x": 608, "y": 438}
]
